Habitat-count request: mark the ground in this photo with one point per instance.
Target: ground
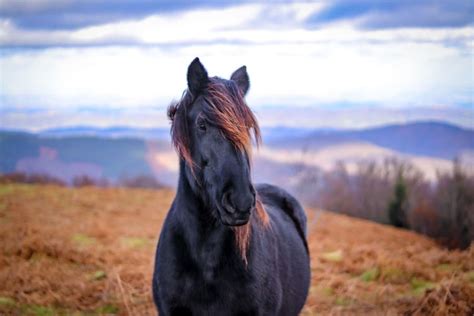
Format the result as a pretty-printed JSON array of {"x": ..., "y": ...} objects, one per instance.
[{"x": 90, "y": 251}]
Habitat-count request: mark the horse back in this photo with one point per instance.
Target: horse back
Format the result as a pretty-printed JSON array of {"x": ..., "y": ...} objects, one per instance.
[{"x": 281, "y": 199}]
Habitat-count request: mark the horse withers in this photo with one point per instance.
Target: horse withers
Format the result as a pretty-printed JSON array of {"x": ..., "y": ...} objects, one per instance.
[{"x": 227, "y": 247}]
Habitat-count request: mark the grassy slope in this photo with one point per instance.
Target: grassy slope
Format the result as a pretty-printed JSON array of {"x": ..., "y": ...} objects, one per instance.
[{"x": 90, "y": 251}]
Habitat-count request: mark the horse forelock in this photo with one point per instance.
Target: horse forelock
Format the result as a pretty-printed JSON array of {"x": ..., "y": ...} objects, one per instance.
[
  {"x": 232, "y": 115},
  {"x": 226, "y": 109}
]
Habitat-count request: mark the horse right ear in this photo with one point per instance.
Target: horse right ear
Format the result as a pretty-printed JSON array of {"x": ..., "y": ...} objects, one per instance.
[
  {"x": 197, "y": 77},
  {"x": 241, "y": 77}
]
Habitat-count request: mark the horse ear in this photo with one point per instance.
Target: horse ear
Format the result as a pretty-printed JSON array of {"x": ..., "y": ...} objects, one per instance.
[
  {"x": 197, "y": 77},
  {"x": 241, "y": 77}
]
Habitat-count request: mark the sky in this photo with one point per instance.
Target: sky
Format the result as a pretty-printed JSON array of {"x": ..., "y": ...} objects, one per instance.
[{"x": 98, "y": 62}]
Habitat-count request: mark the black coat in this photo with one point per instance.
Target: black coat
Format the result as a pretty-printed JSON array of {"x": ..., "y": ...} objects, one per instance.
[{"x": 199, "y": 270}]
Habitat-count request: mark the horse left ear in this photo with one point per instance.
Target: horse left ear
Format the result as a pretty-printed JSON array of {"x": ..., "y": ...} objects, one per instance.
[
  {"x": 241, "y": 77},
  {"x": 197, "y": 77}
]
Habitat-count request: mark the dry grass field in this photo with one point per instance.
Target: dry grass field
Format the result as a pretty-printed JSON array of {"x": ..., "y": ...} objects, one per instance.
[{"x": 89, "y": 251}]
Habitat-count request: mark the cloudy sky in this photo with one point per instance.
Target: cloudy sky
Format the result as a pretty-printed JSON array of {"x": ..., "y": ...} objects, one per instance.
[{"x": 104, "y": 62}]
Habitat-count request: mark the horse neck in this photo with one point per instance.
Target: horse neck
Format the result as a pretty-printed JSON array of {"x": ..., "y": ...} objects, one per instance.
[{"x": 190, "y": 203}]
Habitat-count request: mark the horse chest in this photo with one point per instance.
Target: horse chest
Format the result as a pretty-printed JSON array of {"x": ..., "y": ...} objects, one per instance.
[
  {"x": 208, "y": 275},
  {"x": 207, "y": 290},
  {"x": 207, "y": 268}
]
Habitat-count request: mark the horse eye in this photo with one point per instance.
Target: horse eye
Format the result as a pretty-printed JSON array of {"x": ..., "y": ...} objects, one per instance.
[{"x": 202, "y": 125}]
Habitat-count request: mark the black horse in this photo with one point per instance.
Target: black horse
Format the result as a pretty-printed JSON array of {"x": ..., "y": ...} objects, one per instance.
[{"x": 226, "y": 247}]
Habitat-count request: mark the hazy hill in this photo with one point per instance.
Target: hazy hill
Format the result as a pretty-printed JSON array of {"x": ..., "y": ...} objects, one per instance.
[
  {"x": 120, "y": 151},
  {"x": 432, "y": 139},
  {"x": 67, "y": 157},
  {"x": 112, "y": 132}
]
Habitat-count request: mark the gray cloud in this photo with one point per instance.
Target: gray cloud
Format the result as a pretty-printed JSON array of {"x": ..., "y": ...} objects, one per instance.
[
  {"x": 67, "y": 15},
  {"x": 52, "y": 23}
]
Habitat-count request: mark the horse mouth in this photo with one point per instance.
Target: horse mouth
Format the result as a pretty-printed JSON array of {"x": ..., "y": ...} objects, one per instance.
[
  {"x": 237, "y": 222},
  {"x": 232, "y": 217}
]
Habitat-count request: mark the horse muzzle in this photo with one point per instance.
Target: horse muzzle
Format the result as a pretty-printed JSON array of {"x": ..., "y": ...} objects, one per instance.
[{"x": 236, "y": 209}]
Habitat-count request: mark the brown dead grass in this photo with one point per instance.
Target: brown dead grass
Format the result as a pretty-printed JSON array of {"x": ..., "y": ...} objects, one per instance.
[{"x": 90, "y": 251}]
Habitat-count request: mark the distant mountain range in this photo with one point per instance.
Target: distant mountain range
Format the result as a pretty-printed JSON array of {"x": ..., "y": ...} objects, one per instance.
[
  {"x": 113, "y": 132},
  {"x": 116, "y": 152},
  {"x": 431, "y": 139},
  {"x": 67, "y": 157},
  {"x": 269, "y": 133}
]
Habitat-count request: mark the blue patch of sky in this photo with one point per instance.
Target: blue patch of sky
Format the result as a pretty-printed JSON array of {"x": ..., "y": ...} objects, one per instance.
[{"x": 397, "y": 14}]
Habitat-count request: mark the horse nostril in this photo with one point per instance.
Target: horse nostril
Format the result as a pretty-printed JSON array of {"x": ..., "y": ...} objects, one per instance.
[
  {"x": 238, "y": 202},
  {"x": 227, "y": 202}
]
